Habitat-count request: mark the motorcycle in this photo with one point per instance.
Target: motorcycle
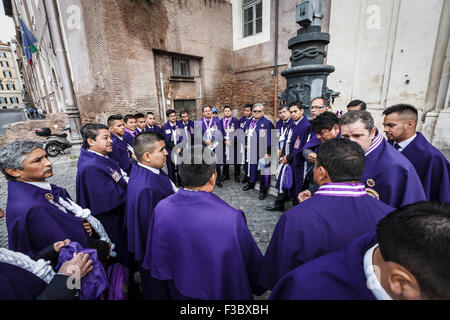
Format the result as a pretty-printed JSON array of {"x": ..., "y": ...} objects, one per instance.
[{"x": 55, "y": 143}]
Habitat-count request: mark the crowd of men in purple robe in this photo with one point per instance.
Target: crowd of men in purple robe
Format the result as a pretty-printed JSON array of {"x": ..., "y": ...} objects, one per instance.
[{"x": 370, "y": 217}]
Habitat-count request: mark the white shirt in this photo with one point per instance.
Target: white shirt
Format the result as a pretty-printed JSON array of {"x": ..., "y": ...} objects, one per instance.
[
  {"x": 373, "y": 283},
  {"x": 157, "y": 171},
  {"x": 101, "y": 155},
  {"x": 42, "y": 185},
  {"x": 405, "y": 143}
]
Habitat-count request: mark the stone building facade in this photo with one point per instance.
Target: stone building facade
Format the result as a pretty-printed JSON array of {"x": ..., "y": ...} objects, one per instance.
[
  {"x": 11, "y": 85},
  {"x": 140, "y": 55}
]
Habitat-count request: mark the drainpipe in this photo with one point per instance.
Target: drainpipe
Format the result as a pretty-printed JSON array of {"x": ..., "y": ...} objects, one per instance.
[
  {"x": 275, "y": 97},
  {"x": 63, "y": 67}
]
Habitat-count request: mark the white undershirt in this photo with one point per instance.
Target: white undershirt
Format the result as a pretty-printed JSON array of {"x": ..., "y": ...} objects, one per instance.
[
  {"x": 157, "y": 171},
  {"x": 405, "y": 143},
  {"x": 373, "y": 283},
  {"x": 42, "y": 185},
  {"x": 97, "y": 153}
]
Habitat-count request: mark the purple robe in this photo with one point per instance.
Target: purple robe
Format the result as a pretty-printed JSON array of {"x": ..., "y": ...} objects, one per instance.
[
  {"x": 155, "y": 129},
  {"x": 168, "y": 128},
  {"x": 145, "y": 190},
  {"x": 262, "y": 127},
  {"x": 335, "y": 276},
  {"x": 297, "y": 142},
  {"x": 389, "y": 176},
  {"x": 19, "y": 284},
  {"x": 101, "y": 188},
  {"x": 284, "y": 144},
  {"x": 243, "y": 124},
  {"x": 128, "y": 137},
  {"x": 204, "y": 246},
  {"x": 121, "y": 153},
  {"x": 328, "y": 221},
  {"x": 188, "y": 130},
  {"x": 431, "y": 166},
  {"x": 34, "y": 223},
  {"x": 233, "y": 125}
]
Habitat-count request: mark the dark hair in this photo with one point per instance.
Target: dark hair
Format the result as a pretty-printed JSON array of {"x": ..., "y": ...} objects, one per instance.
[
  {"x": 128, "y": 117},
  {"x": 113, "y": 118},
  {"x": 296, "y": 103},
  {"x": 226, "y": 107},
  {"x": 343, "y": 159},
  {"x": 145, "y": 142},
  {"x": 170, "y": 111},
  {"x": 326, "y": 120},
  {"x": 326, "y": 103},
  {"x": 139, "y": 115},
  {"x": 183, "y": 111},
  {"x": 199, "y": 170},
  {"x": 355, "y": 103},
  {"x": 149, "y": 113},
  {"x": 248, "y": 105},
  {"x": 206, "y": 106},
  {"x": 354, "y": 116},
  {"x": 283, "y": 107},
  {"x": 402, "y": 109},
  {"x": 90, "y": 131},
  {"x": 417, "y": 237}
]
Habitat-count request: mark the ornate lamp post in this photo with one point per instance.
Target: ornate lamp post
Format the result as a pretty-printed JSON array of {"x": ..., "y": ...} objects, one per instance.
[{"x": 307, "y": 78}]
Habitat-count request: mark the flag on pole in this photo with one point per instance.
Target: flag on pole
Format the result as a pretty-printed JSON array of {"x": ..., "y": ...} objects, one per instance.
[{"x": 28, "y": 42}]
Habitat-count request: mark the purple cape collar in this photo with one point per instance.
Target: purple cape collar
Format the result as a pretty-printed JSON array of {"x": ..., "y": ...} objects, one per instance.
[
  {"x": 342, "y": 190},
  {"x": 375, "y": 144}
]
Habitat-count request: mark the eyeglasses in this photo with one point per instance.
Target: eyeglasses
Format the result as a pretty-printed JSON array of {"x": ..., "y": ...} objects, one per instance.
[
  {"x": 257, "y": 111},
  {"x": 317, "y": 107}
]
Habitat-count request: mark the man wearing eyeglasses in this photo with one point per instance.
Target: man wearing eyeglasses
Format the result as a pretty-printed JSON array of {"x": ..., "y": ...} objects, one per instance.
[
  {"x": 318, "y": 106},
  {"x": 258, "y": 129}
]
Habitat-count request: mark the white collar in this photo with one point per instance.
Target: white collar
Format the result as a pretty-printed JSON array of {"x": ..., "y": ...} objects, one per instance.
[
  {"x": 405, "y": 143},
  {"x": 97, "y": 153},
  {"x": 42, "y": 185},
  {"x": 298, "y": 121},
  {"x": 373, "y": 283},
  {"x": 121, "y": 138},
  {"x": 156, "y": 171}
]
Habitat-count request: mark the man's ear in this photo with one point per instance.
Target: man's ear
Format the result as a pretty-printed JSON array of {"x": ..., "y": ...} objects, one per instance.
[
  {"x": 402, "y": 283},
  {"x": 90, "y": 142},
  {"x": 213, "y": 178},
  {"x": 373, "y": 132},
  {"x": 13, "y": 172}
]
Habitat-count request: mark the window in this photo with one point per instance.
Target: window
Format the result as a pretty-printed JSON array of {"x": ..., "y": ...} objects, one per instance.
[
  {"x": 7, "y": 74},
  {"x": 3, "y": 100},
  {"x": 180, "y": 67},
  {"x": 11, "y": 87},
  {"x": 14, "y": 100},
  {"x": 252, "y": 17},
  {"x": 5, "y": 64},
  {"x": 2, "y": 55}
]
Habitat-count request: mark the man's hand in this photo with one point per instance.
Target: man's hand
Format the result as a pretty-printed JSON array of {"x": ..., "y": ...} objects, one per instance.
[
  {"x": 134, "y": 156},
  {"x": 87, "y": 227},
  {"x": 312, "y": 157},
  {"x": 208, "y": 142},
  {"x": 57, "y": 246},
  {"x": 304, "y": 195},
  {"x": 267, "y": 156},
  {"x": 283, "y": 160},
  {"x": 178, "y": 151},
  {"x": 228, "y": 143},
  {"x": 279, "y": 153},
  {"x": 81, "y": 262}
]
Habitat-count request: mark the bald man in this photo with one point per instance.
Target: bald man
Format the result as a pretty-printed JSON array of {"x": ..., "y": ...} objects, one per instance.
[{"x": 400, "y": 124}]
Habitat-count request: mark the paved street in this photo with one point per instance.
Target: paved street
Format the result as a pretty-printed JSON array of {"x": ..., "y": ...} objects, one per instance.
[{"x": 260, "y": 222}]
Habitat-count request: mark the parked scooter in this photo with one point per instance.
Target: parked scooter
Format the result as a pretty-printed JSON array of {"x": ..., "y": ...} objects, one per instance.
[{"x": 55, "y": 143}]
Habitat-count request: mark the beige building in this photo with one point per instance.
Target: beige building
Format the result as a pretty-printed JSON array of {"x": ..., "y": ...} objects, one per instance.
[
  {"x": 11, "y": 86},
  {"x": 129, "y": 56}
]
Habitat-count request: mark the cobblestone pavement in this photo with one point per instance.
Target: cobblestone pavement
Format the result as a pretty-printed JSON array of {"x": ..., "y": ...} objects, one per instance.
[{"x": 260, "y": 222}]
